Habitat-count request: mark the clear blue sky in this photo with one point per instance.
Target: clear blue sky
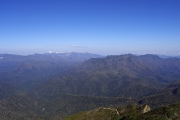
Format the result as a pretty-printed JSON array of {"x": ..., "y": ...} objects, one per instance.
[{"x": 95, "y": 26}]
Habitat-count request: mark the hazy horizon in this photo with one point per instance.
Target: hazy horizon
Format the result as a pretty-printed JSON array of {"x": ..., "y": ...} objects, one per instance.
[
  {"x": 95, "y": 26},
  {"x": 54, "y": 52}
]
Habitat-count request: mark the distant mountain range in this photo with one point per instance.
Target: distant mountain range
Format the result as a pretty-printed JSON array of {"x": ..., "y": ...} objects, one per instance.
[
  {"x": 56, "y": 85},
  {"x": 113, "y": 76},
  {"x": 168, "y": 56},
  {"x": 18, "y": 69}
]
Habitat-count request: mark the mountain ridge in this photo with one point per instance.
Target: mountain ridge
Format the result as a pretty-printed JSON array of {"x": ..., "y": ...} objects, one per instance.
[{"x": 112, "y": 76}]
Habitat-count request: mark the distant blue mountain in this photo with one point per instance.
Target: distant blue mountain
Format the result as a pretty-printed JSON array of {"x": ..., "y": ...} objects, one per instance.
[{"x": 168, "y": 56}]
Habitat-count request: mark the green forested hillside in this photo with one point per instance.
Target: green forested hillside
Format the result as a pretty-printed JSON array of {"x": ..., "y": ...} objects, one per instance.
[{"x": 25, "y": 106}]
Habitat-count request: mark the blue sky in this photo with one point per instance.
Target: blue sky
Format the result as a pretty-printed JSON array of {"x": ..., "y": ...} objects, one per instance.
[{"x": 96, "y": 26}]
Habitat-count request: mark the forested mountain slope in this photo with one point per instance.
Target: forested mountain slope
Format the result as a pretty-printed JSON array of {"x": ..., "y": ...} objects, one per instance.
[{"x": 112, "y": 76}]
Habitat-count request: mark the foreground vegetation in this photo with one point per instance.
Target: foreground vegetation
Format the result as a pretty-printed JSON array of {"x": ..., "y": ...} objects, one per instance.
[{"x": 130, "y": 112}]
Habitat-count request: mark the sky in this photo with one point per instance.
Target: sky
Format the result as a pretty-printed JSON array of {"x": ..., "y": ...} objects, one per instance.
[{"x": 105, "y": 27}]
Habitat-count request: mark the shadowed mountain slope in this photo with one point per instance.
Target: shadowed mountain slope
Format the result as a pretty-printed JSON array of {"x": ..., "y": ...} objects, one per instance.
[{"x": 165, "y": 96}]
